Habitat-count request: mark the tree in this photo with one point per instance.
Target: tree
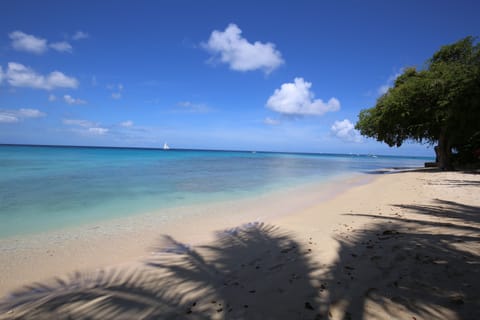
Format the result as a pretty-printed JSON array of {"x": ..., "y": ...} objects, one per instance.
[{"x": 439, "y": 104}]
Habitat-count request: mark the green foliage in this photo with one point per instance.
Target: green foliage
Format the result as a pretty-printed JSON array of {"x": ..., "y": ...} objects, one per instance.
[{"x": 438, "y": 104}]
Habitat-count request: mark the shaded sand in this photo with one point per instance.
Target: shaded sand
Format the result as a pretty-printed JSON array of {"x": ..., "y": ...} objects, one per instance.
[{"x": 404, "y": 246}]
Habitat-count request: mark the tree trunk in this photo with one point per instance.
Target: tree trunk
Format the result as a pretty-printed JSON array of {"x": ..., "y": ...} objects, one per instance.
[{"x": 444, "y": 152}]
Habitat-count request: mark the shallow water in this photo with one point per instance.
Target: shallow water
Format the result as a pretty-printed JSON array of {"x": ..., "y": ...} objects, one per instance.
[{"x": 47, "y": 188}]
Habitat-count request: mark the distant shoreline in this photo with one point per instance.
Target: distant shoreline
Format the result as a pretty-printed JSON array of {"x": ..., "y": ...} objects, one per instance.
[{"x": 160, "y": 148}]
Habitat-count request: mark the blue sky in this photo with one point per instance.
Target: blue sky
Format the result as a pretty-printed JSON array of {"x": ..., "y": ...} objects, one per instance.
[{"x": 243, "y": 75}]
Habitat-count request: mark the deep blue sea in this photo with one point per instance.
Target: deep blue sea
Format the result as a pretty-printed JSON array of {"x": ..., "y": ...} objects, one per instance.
[{"x": 48, "y": 188}]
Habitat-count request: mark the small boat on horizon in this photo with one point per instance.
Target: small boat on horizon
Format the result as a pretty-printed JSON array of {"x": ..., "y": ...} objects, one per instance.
[{"x": 165, "y": 146}]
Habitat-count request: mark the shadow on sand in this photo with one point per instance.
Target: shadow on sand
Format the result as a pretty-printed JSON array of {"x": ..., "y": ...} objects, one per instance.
[
  {"x": 418, "y": 267},
  {"x": 256, "y": 271}
]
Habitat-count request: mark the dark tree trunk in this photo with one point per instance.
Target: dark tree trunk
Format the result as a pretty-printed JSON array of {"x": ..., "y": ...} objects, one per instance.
[{"x": 444, "y": 152}]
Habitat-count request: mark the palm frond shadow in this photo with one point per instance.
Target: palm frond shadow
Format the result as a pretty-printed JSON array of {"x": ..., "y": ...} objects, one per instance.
[
  {"x": 458, "y": 182},
  {"x": 463, "y": 213},
  {"x": 256, "y": 271},
  {"x": 232, "y": 278},
  {"x": 112, "y": 294},
  {"x": 426, "y": 269}
]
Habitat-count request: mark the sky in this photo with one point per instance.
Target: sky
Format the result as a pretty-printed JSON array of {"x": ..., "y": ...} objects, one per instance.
[{"x": 234, "y": 75}]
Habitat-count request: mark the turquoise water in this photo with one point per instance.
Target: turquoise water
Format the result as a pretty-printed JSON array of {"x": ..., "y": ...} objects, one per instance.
[{"x": 47, "y": 188}]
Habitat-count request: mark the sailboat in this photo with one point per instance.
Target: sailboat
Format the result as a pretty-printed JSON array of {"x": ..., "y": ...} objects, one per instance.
[{"x": 165, "y": 146}]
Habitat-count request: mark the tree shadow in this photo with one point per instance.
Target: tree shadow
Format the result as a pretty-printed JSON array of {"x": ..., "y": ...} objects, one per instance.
[
  {"x": 423, "y": 269},
  {"x": 403, "y": 170},
  {"x": 400, "y": 170},
  {"x": 462, "y": 214},
  {"x": 458, "y": 183},
  {"x": 256, "y": 271}
]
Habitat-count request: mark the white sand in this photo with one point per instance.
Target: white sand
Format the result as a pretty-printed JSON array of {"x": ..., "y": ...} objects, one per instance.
[{"x": 403, "y": 246}]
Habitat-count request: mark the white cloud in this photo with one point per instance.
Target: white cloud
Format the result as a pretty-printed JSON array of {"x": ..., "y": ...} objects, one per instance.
[
  {"x": 62, "y": 46},
  {"x": 7, "y": 118},
  {"x": 271, "y": 122},
  {"x": 383, "y": 89},
  {"x": 345, "y": 130},
  {"x": 389, "y": 83},
  {"x": 230, "y": 47},
  {"x": 116, "y": 95},
  {"x": 79, "y": 35},
  {"x": 19, "y": 75},
  {"x": 70, "y": 100},
  {"x": 80, "y": 123},
  {"x": 296, "y": 99},
  {"x": 97, "y": 131},
  {"x": 29, "y": 43},
  {"x": 127, "y": 124},
  {"x": 52, "y": 98},
  {"x": 30, "y": 113},
  {"x": 87, "y": 127},
  {"x": 11, "y": 116}
]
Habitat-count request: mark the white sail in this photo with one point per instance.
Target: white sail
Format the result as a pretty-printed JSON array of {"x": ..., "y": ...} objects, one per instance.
[{"x": 165, "y": 146}]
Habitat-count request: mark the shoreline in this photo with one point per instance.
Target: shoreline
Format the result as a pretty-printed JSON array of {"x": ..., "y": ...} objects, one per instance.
[
  {"x": 108, "y": 242},
  {"x": 403, "y": 245}
]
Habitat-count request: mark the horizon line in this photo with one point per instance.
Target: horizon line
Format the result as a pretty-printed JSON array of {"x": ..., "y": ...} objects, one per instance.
[{"x": 214, "y": 150}]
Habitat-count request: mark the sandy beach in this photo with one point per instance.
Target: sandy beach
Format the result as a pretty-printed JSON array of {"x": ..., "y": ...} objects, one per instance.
[{"x": 390, "y": 246}]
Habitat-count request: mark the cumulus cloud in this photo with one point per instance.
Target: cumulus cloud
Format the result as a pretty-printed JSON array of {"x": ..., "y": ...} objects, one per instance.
[
  {"x": 70, "y": 100},
  {"x": 79, "y": 35},
  {"x": 62, "y": 46},
  {"x": 296, "y": 99},
  {"x": 11, "y": 116},
  {"x": 230, "y": 47},
  {"x": 22, "y": 41},
  {"x": 52, "y": 98},
  {"x": 345, "y": 130},
  {"x": 271, "y": 122},
  {"x": 18, "y": 75},
  {"x": 127, "y": 124},
  {"x": 27, "y": 42}
]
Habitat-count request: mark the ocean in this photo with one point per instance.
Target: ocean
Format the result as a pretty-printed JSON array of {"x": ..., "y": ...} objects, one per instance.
[{"x": 45, "y": 188}]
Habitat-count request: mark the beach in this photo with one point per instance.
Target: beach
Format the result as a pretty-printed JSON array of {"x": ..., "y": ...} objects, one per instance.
[{"x": 401, "y": 245}]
